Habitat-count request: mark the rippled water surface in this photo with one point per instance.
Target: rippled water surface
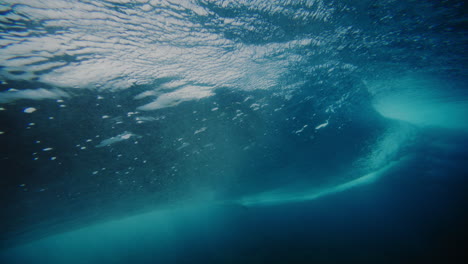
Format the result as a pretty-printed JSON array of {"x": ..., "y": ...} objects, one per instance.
[{"x": 199, "y": 131}]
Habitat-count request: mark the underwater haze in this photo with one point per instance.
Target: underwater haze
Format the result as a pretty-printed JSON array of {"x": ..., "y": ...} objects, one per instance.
[{"x": 224, "y": 131}]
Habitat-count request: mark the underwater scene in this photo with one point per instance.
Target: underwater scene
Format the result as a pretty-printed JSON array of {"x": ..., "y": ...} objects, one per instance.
[{"x": 233, "y": 131}]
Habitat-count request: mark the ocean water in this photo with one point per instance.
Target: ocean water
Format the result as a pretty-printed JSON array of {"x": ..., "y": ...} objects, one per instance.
[{"x": 210, "y": 131}]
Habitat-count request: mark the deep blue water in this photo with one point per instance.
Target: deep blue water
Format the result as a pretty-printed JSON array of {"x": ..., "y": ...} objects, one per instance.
[{"x": 233, "y": 131}]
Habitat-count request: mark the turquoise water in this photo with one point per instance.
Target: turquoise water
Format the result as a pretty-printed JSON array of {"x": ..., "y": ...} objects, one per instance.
[{"x": 233, "y": 131}]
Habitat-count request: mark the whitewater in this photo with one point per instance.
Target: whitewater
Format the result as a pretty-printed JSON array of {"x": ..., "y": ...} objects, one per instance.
[{"x": 218, "y": 131}]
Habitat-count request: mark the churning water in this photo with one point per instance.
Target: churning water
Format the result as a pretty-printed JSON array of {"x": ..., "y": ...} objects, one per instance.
[{"x": 211, "y": 131}]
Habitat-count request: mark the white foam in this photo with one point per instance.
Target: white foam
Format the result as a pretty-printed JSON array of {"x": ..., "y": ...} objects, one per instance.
[
  {"x": 322, "y": 125},
  {"x": 421, "y": 100},
  {"x": 171, "y": 99},
  {"x": 376, "y": 163},
  {"x": 200, "y": 130},
  {"x": 137, "y": 47},
  {"x": 146, "y": 8},
  {"x": 184, "y": 145},
  {"x": 118, "y": 138},
  {"x": 31, "y": 94},
  {"x": 145, "y": 94},
  {"x": 29, "y": 110},
  {"x": 301, "y": 130},
  {"x": 287, "y": 196}
]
